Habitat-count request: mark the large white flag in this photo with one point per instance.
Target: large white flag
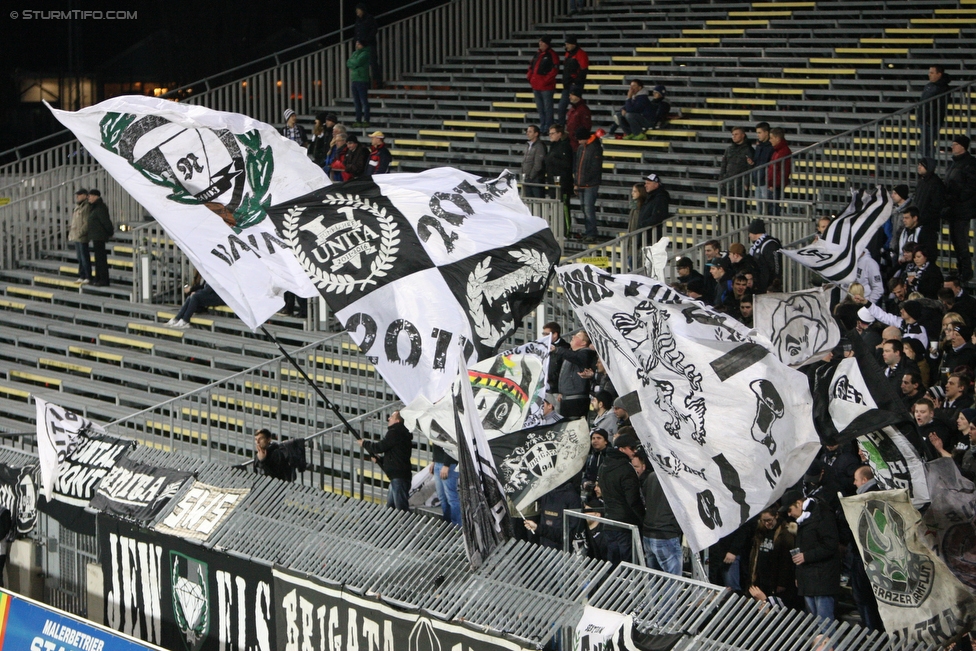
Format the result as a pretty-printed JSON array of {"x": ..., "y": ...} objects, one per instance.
[
  {"x": 834, "y": 256},
  {"x": 727, "y": 424},
  {"x": 799, "y": 325},
  {"x": 414, "y": 264},
  {"x": 208, "y": 177},
  {"x": 59, "y": 432}
]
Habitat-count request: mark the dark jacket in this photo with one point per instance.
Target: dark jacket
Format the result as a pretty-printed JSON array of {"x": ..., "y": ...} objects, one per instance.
[
  {"x": 641, "y": 103},
  {"x": 575, "y": 66},
  {"x": 275, "y": 464},
  {"x": 660, "y": 109},
  {"x": 556, "y": 365},
  {"x": 659, "y": 520},
  {"x": 929, "y": 281},
  {"x": 655, "y": 209},
  {"x": 578, "y": 116},
  {"x": 100, "y": 227},
  {"x": 768, "y": 261},
  {"x": 589, "y": 164},
  {"x": 764, "y": 154},
  {"x": 395, "y": 449},
  {"x": 559, "y": 162},
  {"x": 936, "y": 111},
  {"x": 379, "y": 160},
  {"x": 817, "y": 539},
  {"x": 318, "y": 147},
  {"x": 543, "y": 69},
  {"x": 929, "y": 198},
  {"x": 573, "y": 362},
  {"x": 591, "y": 469},
  {"x": 965, "y": 356},
  {"x": 356, "y": 162},
  {"x": 734, "y": 160},
  {"x": 960, "y": 188},
  {"x": 621, "y": 489},
  {"x": 771, "y": 567},
  {"x": 365, "y": 29},
  {"x": 551, "y": 507}
]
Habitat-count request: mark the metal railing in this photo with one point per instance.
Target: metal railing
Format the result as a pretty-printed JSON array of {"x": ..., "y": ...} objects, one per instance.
[
  {"x": 159, "y": 267},
  {"x": 884, "y": 151},
  {"x": 636, "y": 543}
]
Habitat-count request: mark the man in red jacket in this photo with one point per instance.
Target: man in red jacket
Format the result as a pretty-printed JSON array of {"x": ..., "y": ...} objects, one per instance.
[
  {"x": 575, "y": 66},
  {"x": 578, "y": 117},
  {"x": 778, "y": 175},
  {"x": 542, "y": 77}
]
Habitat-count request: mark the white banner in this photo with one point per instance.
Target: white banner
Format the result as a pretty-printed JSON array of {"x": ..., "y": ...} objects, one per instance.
[
  {"x": 58, "y": 434},
  {"x": 603, "y": 630},
  {"x": 200, "y": 511},
  {"x": 949, "y": 524},
  {"x": 799, "y": 325},
  {"x": 208, "y": 177},
  {"x": 727, "y": 424}
]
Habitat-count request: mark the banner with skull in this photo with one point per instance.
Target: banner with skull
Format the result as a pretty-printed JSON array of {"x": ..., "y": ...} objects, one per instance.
[
  {"x": 799, "y": 325},
  {"x": 919, "y": 599},
  {"x": 208, "y": 177},
  {"x": 726, "y": 423},
  {"x": 415, "y": 264}
]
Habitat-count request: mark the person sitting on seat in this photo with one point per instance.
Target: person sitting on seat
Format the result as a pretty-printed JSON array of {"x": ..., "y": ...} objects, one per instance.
[{"x": 199, "y": 296}]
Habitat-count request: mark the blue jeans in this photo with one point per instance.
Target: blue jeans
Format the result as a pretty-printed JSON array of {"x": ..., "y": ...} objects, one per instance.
[
  {"x": 587, "y": 197},
  {"x": 197, "y": 302},
  {"x": 730, "y": 575},
  {"x": 447, "y": 493},
  {"x": 663, "y": 554},
  {"x": 543, "y": 104},
  {"x": 636, "y": 124},
  {"x": 762, "y": 193},
  {"x": 360, "y": 100},
  {"x": 822, "y": 607},
  {"x": 563, "y": 106},
  {"x": 398, "y": 495},
  {"x": 84, "y": 260}
]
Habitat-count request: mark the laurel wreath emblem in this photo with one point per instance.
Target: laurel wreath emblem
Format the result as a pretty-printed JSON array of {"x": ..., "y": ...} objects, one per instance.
[
  {"x": 536, "y": 267},
  {"x": 346, "y": 283}
]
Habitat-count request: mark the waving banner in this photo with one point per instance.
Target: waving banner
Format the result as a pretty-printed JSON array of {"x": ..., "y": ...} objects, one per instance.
[
  {"x": 208, "y": 177},
  {"x": 950, "y": 521},
  {"x": 727, "y": 424},
  {"x": 415, "y": 264},
  {"x": 18, "y": 494},
  {"x": 137, "y": 490},
  {"x": 834, "y": 256},
  {"x": 58, "y": 434},
  {"x": 799, "y": 325}
]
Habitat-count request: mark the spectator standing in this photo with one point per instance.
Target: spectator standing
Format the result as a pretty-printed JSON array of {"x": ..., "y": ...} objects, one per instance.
[
  {"x": 914, "y": 232},
  {"x": 931, "y": 115},
  {"x": 867, "y": 604},
  {"x": 960, "y": 203},
  {"x": 817, "y": 559},
  {"x": 764, "y": 250},
  {"x": 335, "y": 161},
  {"x": 589, "y": 175},
  {"x": 318, "y": 147},
  {"x": 554, "y": 330},
  {"x": 927, "y": 279},
  {"x": 356, "y": 159},
  {"x": 655, "y": 210},
  {"x": 358, "y": 64},
  {"x": 100, "y": 231},
  {"x": 599, "y": 442},
  {"x": 735, "y": 161},
  {"x": 576, "y": 65},
  {"x": 78, "y": 235},
  {"x": 967, "y": 463},
  {"x": 542, "y": 78},
  {"x": 292, "y": 130},
  {"x": 622, "y": 498},
  {"x": 771, "y": 567},
  {"x": 578, "y": 117},
  {"x": 270, "y": 458},
  {"x": 606, "y": 419},
  {"x": 379, "y": 154},
  {"x": 778, "y": 174},
  {"x": 574, "y": 389},
  {"x": 964, "y": 305},
  {"x": 660, "y": 530},
  {"x": 395, "y": 449},
  {"x": 929, "y": 193},
  {"x": 549, "y": 529},
  {"x": 763, "y": 154},
  {"x": 365, "y": 33},
  {"x": 638, "y": 197},
  {"x": 559, "y": 168},
  {"x": 445, "y": 483},
  {"x": 533, "y": 163}
]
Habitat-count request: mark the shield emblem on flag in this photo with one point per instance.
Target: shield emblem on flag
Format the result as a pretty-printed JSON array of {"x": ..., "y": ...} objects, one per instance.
[{"x": 191, "y": 599}]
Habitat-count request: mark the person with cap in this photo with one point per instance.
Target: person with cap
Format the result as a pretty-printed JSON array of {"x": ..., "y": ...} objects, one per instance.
[
  {"x": 365, "y": 31},
  {"x": 549, "y": 414},
  {"x": 578, "y": 117},
  {"x": 78, "y": 235},
  {"x": 686, "y": 270},
  {"x": 358, "y": 64},
  {"x": 932, "y": 108},
  {"x": 720, "y": 270},
  {"x": 817, "y": 557},
  {"x": 100, "y": 231},
  {"x": 656, "y": 208},
  {"x": 356, "y": 159},
  {"x": 778, "y": 173},
  {"x": 533, "y": 163},
  {"x": 927, "y": 279},
  {"x": 957, "y": 351},
  {"x": 587, "y": 179},
  {"x": 576, "y": 65},
  {"x": 606, "y": 419},
  {"x": 379, "y": 154},
  {"x": 621, "y": 414},
  {"x": 641, "y": 113},
  {"x": 960, "y": 203},
  {"x": 559, "y": 168},
  {"x": 764, "y": 154},
  {"x": 741, "y": 261},
  {"x": 929, "y": 193},
  {"x": 542, "y": 78},
  {"x": 735, "y": 161},
  {"x": 599, "y": 444},
  {"x": 661, "y": 109},
  {"x": 764, "y": 250},
  {"x": 622, "y": 496},
  {"x": 292, "y": 130},
  {"x": 321, "y": 140},
  {"x": 863, "y": 326},
  {"x": 574, "y": 388}
]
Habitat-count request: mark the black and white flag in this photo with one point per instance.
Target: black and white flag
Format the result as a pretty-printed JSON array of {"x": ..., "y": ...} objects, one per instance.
[
  {"x": 949, "y": 524},
  {"x": 799, "y": 325},
  {"x": 834, "y": 255},
  {"x": 58, "y": 434},
  {"x": 18, "y": 494},
  {"x": 728, "y": 426},
  {"x": 137, "y": 490},
  {"x": 416, "y": 264},
  {"x": 535, "y": 461}
]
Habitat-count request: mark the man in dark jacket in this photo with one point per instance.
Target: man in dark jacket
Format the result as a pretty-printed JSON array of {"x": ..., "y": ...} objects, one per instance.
[
  {"x": 578, "y": 117},
  {"x": 549, "y": 528},
  {"x": 735, "y": 161},
  {"x": 365, "y": 33},
  {"x": 621, "y": 492},
  {"x": 763, "y": 154},
  {"x": 817, "y": 559},
  {"x": 270, "y": 458},
  {"x": 356, "y": 160},
  {"x": 542, "y": 78},
  {"x": 656, "y": 205},
  {"x": 573, "y": 388},
  {"x": 929, "y": 194},
  {"x": 555, "y": 361},
  {"x": 100, "y": 231},
  {"x": 661, "y": 531},
  {"x": 588, "y": 176},
  {"x": 960, "y": 202},
  {"x": 764, "y": 251},
  {"x": 559, "y": 167},
  {"x": 379, "y": 154},
  {"x": 575, "y": 66},
  {"x": 395, "y": 447},
  {"x": 931, "y": 114}
]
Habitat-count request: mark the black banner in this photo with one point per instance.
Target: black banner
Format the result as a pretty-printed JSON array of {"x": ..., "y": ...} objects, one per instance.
[
  {"x": 78, "y": 477},
  {"x": 137, "y": 490},
  {"x": 312, "y": 615},
  {"x": 182, "y": 596},
  {"x": 18, "y": 493}
]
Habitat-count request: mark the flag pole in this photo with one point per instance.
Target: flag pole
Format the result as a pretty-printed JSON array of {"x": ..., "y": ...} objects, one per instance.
[{"x": 328, "y": 403}]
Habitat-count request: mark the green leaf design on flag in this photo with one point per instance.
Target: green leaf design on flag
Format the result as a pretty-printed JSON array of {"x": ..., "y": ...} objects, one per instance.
[
  {"x": 112, "y": 126},
  {"x": 259, "y": 168}
]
